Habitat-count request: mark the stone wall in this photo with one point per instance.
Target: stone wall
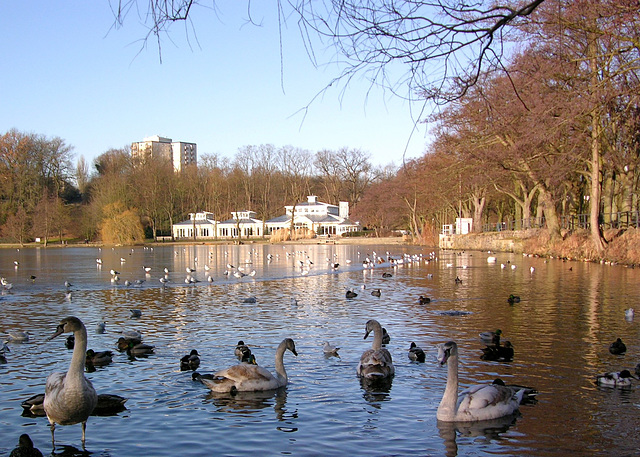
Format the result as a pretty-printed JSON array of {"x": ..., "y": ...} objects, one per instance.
[{"x": 506, "y": 241}]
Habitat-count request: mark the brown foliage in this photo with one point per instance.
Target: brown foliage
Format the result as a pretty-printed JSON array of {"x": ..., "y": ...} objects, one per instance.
[{"x": 121, "y": 225}]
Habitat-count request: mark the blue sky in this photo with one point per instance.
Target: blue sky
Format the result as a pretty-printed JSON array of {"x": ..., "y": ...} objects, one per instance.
[{"x": 68, "y": 73}]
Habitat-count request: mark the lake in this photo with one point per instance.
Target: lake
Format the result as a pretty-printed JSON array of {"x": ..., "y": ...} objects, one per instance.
[{"x": 561, "y": 329}]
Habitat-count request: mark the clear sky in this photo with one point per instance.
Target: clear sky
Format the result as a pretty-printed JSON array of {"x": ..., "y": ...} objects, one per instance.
[{"x": 67, "y": 72}]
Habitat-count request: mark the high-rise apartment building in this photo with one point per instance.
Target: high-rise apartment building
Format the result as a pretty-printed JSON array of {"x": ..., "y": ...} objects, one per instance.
[{"x": 179, "y": 153}]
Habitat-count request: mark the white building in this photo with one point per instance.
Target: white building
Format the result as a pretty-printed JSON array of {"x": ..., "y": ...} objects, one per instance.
[
  {"x": 321, "y": 218},
  {"x": 243, "y": 224},
  {"x": 204, "y": 225},
  {"x": 179, "y": 153}
]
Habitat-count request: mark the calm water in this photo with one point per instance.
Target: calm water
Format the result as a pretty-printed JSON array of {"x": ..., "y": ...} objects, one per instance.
[{"x": 561, "y": 331}]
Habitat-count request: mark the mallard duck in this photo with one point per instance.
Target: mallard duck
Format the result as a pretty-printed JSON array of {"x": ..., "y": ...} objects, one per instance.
[
  {"x": 25, "y": 448},
  {"x": 458, "y": 280},
  {"x": 375, "y": 363},
  {"x": 617, "y": 347},
  {"x": 246, "y": 377},
  {"x": 621, "y": 379},
  {"x": 136, "y": 313},
  {"x": 98, "y": 359},
  {"x": 241, "y": 349},
  {"x": 529, "y": 393},
  {"x": 386, "y": 339},
  {"x": 376, "y": 292},
  {"x": 498, "y": 353},
  {"x": 513, "y": 299},
  {"x": 125, "y": 343},
  {"x": 107, "y": 404},
  {"x": 190, "y": 361},
  {"x": 479, "y": 402},
  {"x": 70, "y": 397},
  {"x": 491, "y": 337},
  {"x": 140, "y": 349},
  {"x": 329, "y": 349},
  {"x": 387, "y": 275},
  {"x": 416, "y": 353},
  {"x": 424, "y": 300},
  {"x": 199, "y": 377}
]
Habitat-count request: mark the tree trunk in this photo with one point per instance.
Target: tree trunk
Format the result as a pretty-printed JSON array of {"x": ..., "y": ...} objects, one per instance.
[{"x": 550, "y": 213}]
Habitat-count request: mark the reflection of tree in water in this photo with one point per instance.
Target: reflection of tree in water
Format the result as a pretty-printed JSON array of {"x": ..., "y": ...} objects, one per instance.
[
  {"x": 376, "y": 391},
  {"x": 489, "y": 429}
]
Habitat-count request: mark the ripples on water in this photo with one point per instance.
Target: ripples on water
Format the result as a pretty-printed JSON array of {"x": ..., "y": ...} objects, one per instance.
[{"x": 561, "y": 330}]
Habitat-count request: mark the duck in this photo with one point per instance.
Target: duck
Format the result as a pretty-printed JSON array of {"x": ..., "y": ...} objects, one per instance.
[
  {"x": 140, "y": 349},
  {"x": 617, "y": 347},
  {"x": 3, "y": 350},
  {"x": 190, "y": 361},
  {"x": 376, "y": 292},
  {"x": 528, "y": 396},
  {"x": 107, "y": 404},
  {"x": 621, "y": 379},
  {"x": 351, "y": 294},
  {"x": 458, "y": 280},
  {"x": 330, "y": 349},
  {"x": 513, "y": 299},
  {"x": 386, "y": 338},
  {"x": 25, "y": 448},
  {"x": 416, "y": 353},
  {"x": 17, "y": 336},
  {"x": 70, "y": 397},
  {"x": 70, "y": 342},
  {"x": 241, "y": 349},
  {"x": 375, "y": 363},
  {"x": 246, "y": 377},
  {"x": 637, "y": 370},
  {"x": 98, "y": 359},
  {"x": 199, "y": 377},
  {"x": 479, "y": 402},
  {"x": 136, "y": 313},
  {"x": 498, "y": 353},
  {"x": 424, "y": 300},
  {"x": 387, "y": 275},
  {"x": 491, "y": 337}
]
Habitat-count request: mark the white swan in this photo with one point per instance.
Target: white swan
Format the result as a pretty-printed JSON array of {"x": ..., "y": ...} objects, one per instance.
[
  {"x": 479, "y": 402},
  {"x": 70, "y": 397},
  {"x": 246, "y": 377},
  {"x": 375, "y": 363}
]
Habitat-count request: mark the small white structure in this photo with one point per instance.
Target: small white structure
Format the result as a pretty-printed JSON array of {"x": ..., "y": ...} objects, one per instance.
[
  {"x": 203, "y": 224},
  {"x": 321, "y": 218}
]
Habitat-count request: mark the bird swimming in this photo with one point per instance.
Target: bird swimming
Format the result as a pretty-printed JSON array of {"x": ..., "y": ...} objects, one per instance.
[
  {"x": 375, "y": 363},
  {"x": 190, "y": 361},
  {"x": 330, "y": 349},
  {"x": 247, "y": 377},
  {"x": 617, "y": 347},
  {"x": 70, "y": 397},
  {"x": 479, "y": 402},
  {"x": 416, "y": 353},
  {"x": 621, "y": 379}
]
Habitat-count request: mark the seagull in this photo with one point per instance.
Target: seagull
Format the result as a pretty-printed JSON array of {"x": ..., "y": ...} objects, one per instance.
[{"x": 329, "y": 349}]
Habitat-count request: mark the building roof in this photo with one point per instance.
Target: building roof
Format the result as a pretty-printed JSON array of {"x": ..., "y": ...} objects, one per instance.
[
  {"x": 242, "y": 221},
  {"x": 190, "y": 222}
]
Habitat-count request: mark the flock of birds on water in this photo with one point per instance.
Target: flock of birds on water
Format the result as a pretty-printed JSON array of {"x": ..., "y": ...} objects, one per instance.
[{"x": 70, "y": 397}]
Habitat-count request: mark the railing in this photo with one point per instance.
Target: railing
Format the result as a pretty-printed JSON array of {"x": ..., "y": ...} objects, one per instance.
[{"x": 621, "y": 219}]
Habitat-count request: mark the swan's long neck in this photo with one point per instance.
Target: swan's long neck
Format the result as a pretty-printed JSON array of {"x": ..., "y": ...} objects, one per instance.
[
  {"x": 377, "y": 337},
  {"x": 76, "y": 368},
  {"x": 280, "y": 371},
  {"x": 450, "y": 398}
]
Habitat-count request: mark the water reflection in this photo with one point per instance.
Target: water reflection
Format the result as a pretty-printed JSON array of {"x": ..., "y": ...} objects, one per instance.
[
  {"x": 249, "y": 402},
  {"x": 491, "y": 430},
  {"x": 375, "y": 390}
]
